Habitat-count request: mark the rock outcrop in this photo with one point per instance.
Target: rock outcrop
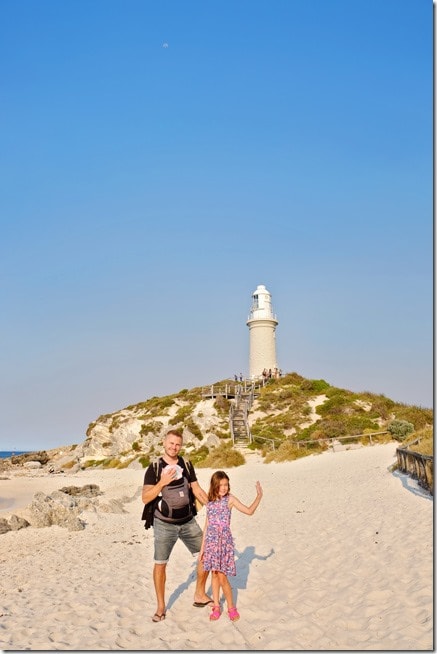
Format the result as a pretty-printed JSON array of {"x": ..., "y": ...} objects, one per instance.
[
  {"x": 56, "y": 509},
  {"x": 63, "y": 508},
  {"x": 13, "y": 524},
  {"x": 89, "y": 490},
  {"x": 40, "y": 457}
]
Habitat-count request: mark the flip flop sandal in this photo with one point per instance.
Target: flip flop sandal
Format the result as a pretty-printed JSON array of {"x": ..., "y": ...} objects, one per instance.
[{"x": 157, "y": 617}]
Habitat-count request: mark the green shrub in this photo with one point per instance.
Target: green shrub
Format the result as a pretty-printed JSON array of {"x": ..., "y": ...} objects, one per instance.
[
  {"x": 256, "y": 445},
  {"x": 291, "y": 378},
  {"x": 222, "y": 433},
  {"x": 376, "y": 438},
  {"x": 264, "y": 404},
  {"x": 136, "y": 446},
  {"x": 157, "y": 405},
  {"x": 152, "y": 427},
  {"x": 426, "y": 442},
  {"x": 357, "y": 424},
  {"x": 286, "y": 394},
  {"x": 181, "y": 415},
  {"x": 332, "y": 391},
  {"x": 416, "y": 415},
  {"x": 223, "y": 456},
  {"x": 69, "y": 464},
  {"x": 144, "y": 460},
  {"x": 381, "y": 406},
  {"x": 199, "y": 455},
  {"x": 194, "y": 428},
  {"x": 314, "y": 385},
  {"x": 400, "y": 429},
  {"x": 221, "y": 405},
  {"x": 90, "y": 428},
  {"x": 282, "y": 421},
  {"x": 335, "y": 404},
  {"x": 287, "y": 451},
  {"x": 113, "y": 463},
  {"x": 260, "y": 428},
  {"x": 92, "y": 463}
]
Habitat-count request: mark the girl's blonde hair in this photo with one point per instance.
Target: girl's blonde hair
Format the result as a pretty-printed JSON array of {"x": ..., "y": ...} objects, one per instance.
[{"x": 214, "y": 486}]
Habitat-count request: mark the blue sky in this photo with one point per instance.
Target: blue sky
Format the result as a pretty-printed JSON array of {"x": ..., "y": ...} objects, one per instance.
[{"x": 159, "y": 160}]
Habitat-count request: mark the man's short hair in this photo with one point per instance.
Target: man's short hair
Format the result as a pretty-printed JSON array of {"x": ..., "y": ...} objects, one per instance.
[{"x": 175, "y": 432}]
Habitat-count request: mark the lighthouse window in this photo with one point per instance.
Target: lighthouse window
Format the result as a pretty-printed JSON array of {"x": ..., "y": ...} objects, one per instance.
[{"x": 255, "y": 302}]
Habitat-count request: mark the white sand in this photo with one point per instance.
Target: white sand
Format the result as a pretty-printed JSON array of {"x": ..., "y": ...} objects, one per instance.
[{"x": 337, "y": 557}]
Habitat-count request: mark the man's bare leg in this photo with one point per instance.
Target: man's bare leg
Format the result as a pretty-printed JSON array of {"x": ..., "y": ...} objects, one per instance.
[
  {"x": 159, "y": 577},
  {"x": 200, "y": 596}
]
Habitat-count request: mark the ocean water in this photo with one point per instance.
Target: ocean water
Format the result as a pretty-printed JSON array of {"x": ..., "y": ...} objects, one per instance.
[{"x": 6, "y": 454}]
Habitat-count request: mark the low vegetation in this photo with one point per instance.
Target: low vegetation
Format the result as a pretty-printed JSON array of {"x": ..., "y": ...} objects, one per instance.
[
  {"x": 421, "y": 441},
  {"x": 290, "y": 410},
  {"x": 342, "y": 414},
  {"x": 223, "y": 456}
]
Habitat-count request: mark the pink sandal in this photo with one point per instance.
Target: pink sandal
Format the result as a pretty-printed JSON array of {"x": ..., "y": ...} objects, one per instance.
[
  {"x": 233, "y": 614},
  {"x": 215, "y": 613}
]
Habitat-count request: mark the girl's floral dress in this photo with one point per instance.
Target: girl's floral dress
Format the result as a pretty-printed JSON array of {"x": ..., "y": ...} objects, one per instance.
[{"x": 218, "y": 553}]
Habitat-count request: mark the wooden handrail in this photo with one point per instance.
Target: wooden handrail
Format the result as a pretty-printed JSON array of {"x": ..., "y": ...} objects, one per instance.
[
  {"x": 340, "y": 438},
  {"x": 417, "y": 465}
]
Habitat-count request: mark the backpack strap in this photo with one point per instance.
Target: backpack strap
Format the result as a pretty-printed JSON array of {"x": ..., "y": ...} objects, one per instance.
[
  {"x": 187, "y": 465},
  {"x": 149, "y": 508}
]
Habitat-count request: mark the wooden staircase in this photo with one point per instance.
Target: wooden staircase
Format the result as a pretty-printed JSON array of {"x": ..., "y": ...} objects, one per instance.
[
  {"x": 241, "y": 396},
  {"x": 238, "y": 421}
]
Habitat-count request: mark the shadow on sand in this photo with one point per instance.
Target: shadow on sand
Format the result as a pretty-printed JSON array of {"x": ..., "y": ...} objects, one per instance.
[
  {"x": 243, "y": 562},
  {"x": 412, "y": 485}
]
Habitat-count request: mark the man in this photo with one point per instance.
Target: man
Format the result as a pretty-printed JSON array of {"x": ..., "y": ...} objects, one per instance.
[{"x": 174, "y": 518}]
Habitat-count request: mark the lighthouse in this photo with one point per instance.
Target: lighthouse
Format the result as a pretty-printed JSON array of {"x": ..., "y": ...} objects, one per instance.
[{"x": 262, "y": 324}]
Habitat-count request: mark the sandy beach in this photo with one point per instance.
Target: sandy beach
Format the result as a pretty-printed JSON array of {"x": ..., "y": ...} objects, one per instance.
[{"x": 339, "y": 556}]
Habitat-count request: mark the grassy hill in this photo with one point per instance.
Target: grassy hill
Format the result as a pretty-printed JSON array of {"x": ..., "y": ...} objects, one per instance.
[
  {"x": 285, "y": 406},
  {"x": 291, "y": 417}
]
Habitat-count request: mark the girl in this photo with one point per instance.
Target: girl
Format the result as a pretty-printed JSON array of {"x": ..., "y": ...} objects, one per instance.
[{"x": 217, "y": 552}]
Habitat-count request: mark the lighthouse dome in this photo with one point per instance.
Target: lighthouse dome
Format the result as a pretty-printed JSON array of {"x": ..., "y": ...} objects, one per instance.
[{"x": 260, "y": 289}]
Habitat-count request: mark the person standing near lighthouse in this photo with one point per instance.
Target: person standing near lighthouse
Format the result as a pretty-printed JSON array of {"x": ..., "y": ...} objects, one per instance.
[{"x": 262, "y": 323}]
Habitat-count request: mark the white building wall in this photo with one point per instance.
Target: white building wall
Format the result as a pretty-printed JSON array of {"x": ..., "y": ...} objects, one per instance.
[
  {"x": 262, "y": 347},
  {"x": 262, "y": 338}
]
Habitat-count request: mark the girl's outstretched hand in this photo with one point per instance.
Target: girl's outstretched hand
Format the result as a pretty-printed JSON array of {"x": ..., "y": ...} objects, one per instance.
[{"x": 259, "y": 490}]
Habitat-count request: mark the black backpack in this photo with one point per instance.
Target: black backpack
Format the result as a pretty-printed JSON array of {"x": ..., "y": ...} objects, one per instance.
[{"x": 149, "y": 508}]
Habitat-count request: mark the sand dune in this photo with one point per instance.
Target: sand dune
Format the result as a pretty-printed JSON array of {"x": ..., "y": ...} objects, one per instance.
[{"x": 337, "y": 557}]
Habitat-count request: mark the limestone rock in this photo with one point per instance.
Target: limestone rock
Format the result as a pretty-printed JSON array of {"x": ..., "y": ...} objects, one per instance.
[
  {"x": 112, "y": 506},
  {"x": 134, "y": 431},
  {"x": 16, "y": 523},
  {"x": 89, "y": 490},
  {"x": 213, "y": 441},
  {"x": 20, "y": 459},
  {"x": 4, "y": 526},
  {"x": 56, "y": 509}
]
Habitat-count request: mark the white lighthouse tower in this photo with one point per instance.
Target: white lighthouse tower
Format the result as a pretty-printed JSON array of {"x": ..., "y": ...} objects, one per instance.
[{"x": 262, "y": 326}]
